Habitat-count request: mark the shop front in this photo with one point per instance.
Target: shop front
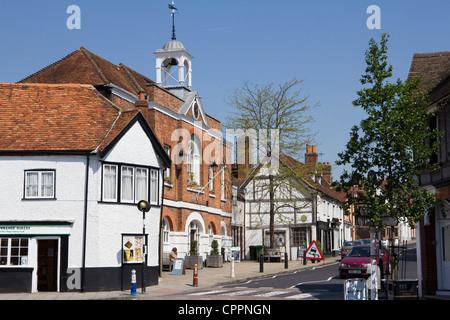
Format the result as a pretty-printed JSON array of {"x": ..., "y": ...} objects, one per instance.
[{"x": 34, "y": 255}]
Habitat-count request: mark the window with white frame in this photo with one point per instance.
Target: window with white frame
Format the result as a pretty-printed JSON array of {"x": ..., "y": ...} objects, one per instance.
[
  {"x": 136, "y": 184},
  {"x": 210, "y": 178},
  {"x": 13, "y": 251},
  {"x": 110, "y": 182},
  {"x": 141, "y": 184},
  {"x": 222, "y": 185},
  {"x": 193, "y": 161},
  {"x": 153, "y": 186},
  {"x": 210, "y": 233},
  {"x": 167, "y": 149},
  {"x": 39, "y": 184},
  {"x": 127, "y": 186},
  {"x": 166, "y": 230}
]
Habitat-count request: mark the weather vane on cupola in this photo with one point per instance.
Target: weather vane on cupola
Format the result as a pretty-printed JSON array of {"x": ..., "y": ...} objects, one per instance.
[{"x": 171, "y": 7}]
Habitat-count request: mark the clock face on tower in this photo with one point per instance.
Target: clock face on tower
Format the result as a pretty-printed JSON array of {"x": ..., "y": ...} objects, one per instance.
[{"x": 196, "y": 111}]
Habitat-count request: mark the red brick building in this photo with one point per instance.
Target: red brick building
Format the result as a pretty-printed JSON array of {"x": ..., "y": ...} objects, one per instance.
[{"x": 193, "y": 208}]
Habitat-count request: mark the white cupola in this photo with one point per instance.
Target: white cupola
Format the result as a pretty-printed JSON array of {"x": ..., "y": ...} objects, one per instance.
[{"x": 174, "y": 65}]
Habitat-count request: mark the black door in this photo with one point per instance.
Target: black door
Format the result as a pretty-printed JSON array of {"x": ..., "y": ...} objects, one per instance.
[{"x": 47, "y": 265}]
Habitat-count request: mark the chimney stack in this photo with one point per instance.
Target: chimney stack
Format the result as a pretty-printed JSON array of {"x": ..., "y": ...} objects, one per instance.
[
  {"x": 311, "y": 157},
  {"x": 142, "y": 105},
  {"x": 327, "y": 172}
]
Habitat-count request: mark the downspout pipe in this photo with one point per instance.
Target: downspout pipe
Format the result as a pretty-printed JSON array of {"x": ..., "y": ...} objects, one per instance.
[
  {"x": 86, "y": 192},
  {"x": 160, "y": 226}
]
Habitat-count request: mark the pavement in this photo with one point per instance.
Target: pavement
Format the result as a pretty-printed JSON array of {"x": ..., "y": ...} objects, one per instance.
[{"x": 171, "y": 284}]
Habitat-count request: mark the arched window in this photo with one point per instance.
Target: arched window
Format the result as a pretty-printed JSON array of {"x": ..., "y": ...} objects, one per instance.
[
  {"x": 193, "y": 161},
  {"x": 194, "y": 231},
  {"x": 210, "y": 232},
  {"x": 166, "y": 230}
]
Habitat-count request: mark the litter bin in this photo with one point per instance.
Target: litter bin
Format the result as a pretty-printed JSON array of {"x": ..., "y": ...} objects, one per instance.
[
  {"x": 259, "y": 250},
  {"x": 402, "y": 289},
  {"x": 252, "y": 253}
]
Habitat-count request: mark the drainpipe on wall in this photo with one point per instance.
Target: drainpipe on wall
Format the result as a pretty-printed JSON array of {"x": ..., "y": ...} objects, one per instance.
[
  {"x": 160, "y": 226},
  {"x": 86, "y": 191},
  {"x": 419, "y": 259}
]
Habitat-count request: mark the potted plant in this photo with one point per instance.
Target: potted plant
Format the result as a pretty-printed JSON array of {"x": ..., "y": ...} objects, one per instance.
[
  {"x": 214, "y": 260},
  {"x": 168, "y": 180},
  {"x": 193, "y": 257}
]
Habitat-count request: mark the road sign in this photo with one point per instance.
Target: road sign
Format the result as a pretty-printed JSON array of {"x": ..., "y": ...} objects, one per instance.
[
  {"x": 355, "y": 289},
  {"x": 313, "y": 252}
]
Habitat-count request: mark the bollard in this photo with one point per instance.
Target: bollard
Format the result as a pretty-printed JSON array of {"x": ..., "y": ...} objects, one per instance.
[
  {"x": 261, "y": 262},
  {"x": 133, "y": 282},
  {"x": 195, "y": 281},
  {"x": 232, "y": 268},
  {"x": 286, "y": 260},
  {"x": 304, "y": 258}
]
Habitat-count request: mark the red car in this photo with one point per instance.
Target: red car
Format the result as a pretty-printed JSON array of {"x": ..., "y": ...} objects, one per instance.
[{"x": 357, "y": 262}]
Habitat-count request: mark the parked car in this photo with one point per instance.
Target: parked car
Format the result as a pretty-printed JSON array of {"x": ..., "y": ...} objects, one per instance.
[
  {"x": 357, "y": 262},
  {"x": 348, "y": 245}
]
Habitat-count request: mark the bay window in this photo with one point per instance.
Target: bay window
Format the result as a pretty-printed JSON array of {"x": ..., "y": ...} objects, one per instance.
[{"x": 136, "y": 184}]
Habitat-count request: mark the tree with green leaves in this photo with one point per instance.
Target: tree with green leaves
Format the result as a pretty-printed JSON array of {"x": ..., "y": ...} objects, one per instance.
[
  {"x": 282, "y": 109},
  {"x": 389, "y": 148}
]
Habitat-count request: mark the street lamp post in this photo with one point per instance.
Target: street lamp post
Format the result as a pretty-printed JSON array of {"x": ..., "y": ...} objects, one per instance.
[{"x": 144, "y": 207}]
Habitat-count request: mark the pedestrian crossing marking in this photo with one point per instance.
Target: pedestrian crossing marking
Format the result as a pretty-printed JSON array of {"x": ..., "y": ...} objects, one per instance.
[
  {"x": 208, "y": 292},
  {"x": 270, "y": 294},
  {"x": 302, "y": 296},
  {"x": 239, "y": 293}
]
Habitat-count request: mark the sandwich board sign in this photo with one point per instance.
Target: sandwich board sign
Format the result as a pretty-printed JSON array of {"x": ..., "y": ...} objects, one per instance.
[
  {"x": 178, "y": 267},
  {"x": 313, "y": 252}
]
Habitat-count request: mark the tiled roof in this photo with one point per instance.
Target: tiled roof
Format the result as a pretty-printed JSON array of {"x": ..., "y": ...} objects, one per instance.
[
  {"x": 83, "y": 66},
  {"x": 323, "y": 187},
  {"x": 57, "y": 117},
  {"x": 434, "y": 67}
]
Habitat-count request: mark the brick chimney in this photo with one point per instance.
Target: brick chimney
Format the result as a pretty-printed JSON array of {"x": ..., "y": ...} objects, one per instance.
[
  {"x": 142, "y": 105},
  {"x": 242, "y": 170},
  {"x": 327, "y": 172},
  {"x": 311, "y": 157}
]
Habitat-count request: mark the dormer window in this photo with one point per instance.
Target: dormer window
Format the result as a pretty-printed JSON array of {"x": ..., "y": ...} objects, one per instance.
[{"x": 196, "y": 111}]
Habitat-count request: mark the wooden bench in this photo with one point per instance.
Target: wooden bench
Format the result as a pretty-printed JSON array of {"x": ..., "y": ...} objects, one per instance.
[
  {"x": 272, "y": 255},
  {"x": 166, "y": 263}
]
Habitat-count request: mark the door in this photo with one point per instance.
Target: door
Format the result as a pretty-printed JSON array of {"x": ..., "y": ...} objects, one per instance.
[
  {"x": 47, "y": 265},
  {"x": 445, "y": 255}
]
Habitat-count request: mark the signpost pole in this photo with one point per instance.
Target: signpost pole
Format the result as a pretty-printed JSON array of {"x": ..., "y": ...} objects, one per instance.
[{"x": 373, "y": 263}]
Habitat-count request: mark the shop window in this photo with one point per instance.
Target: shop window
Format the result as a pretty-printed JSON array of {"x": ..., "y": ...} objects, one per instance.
[
  {"x": 298, "y": 237},
  {"x": 13, "y": 251},
  {"x": 39, "y": 184}
]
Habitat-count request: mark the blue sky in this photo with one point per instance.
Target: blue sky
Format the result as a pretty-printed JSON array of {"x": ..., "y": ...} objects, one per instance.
[{"x": 260, "y": 41}]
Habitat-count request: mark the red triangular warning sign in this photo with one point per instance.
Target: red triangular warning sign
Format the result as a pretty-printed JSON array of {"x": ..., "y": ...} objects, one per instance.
[{"x": 313, "y": 252}]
